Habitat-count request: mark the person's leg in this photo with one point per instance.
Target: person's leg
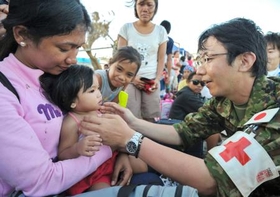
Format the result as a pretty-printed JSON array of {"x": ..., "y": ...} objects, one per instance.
[
  {"x": 151, "y": 105},
  {"x": 111, "y": 191},
  {"x": 134, "y": 100},
  {"x": 155, "y": 190},
  {"x": 99, "y": 185},
  {"x": 146, "y": 178}
]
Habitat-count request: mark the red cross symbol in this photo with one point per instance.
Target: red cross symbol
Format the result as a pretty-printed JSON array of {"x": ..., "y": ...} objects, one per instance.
[{"x": 236, "y": 149}]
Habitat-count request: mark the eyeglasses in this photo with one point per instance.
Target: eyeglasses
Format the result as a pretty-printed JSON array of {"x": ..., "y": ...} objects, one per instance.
[
  {"x": 205, "y": 59},
  {"x": 196, "y": 82}
]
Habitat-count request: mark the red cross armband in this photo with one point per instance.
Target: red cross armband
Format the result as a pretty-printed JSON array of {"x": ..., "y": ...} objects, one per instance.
[{"x": 245, "y": 161}]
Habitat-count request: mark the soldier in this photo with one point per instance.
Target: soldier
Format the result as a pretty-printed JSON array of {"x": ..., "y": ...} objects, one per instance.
[{"x": 244, "y": 105}]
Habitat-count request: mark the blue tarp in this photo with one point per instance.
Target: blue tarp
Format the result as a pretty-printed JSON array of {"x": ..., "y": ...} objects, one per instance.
[
  {"x": 83, "y": 60},
  {"x": 176, "y": 48}
]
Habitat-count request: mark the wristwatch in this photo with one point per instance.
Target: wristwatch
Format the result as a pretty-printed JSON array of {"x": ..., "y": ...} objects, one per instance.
[{"x": 133, "y": 145}]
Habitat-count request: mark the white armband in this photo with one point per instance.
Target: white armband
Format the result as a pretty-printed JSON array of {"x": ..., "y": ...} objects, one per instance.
[{"x": 245, "y": 161}]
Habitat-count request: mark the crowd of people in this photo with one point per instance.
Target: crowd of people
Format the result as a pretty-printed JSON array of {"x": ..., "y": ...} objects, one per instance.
[{"x": 65, "y": 133}]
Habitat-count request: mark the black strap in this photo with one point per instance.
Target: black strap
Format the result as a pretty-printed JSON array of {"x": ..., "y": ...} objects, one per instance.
[
  {"x": 179, "y": 191},
  {"x": 125, "y": 191},
  {"x": 146, "y": 190},
  {"x": 8, "y": 85},
  {"x": 15, "y": 193}
]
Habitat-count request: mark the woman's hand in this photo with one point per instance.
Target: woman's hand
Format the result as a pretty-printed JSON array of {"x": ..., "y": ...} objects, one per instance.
[
  {"x": 122, "y": 171},
  {"x": 155, "y": 86},
  {"x": 138, "y": 83},
  {"x": 112, "y": 129},
  {"x": 114, "y": 108}
]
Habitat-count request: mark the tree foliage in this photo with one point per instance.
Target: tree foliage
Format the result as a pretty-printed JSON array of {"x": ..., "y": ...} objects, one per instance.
[{"x": 100, "y": 29}]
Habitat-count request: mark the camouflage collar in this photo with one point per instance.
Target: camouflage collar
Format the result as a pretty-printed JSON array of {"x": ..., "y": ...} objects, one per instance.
[{"x": 264, "y": 95}]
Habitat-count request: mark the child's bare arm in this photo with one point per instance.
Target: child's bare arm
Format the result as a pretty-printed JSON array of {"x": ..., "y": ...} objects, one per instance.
[{"x": 71, "y": 147}]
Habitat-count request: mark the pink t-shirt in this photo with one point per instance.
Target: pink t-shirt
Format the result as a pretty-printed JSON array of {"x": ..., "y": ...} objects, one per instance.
[{"x": 29, "y": 138}]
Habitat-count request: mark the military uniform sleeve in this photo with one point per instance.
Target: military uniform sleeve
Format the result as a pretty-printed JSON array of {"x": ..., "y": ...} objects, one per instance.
[
  {"x": 225, "y": 187},
  {"x": 199, "y": 125}
]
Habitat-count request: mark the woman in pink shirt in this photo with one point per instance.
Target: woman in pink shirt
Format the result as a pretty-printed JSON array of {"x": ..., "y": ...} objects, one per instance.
[{"x": 41, "y": 36}]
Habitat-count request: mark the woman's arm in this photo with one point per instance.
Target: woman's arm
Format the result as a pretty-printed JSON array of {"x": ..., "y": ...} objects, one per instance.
[
  {"x": 25, "y": 162},
  {"x": 161, "y": 60},
  {"x": 121, "y": 42}
]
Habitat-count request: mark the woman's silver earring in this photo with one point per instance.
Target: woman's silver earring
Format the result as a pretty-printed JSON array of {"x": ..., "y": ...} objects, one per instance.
[{"x": 23, "y": 44}]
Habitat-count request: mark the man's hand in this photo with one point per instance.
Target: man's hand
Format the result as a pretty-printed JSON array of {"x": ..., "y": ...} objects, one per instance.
[{"x": 112, "y": 129}]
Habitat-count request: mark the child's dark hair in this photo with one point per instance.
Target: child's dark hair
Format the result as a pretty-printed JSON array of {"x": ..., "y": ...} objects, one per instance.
[
  {"x": 63, "y": 89},
  {"x": 189, "y": 78},
  {"x": 274, "y": 39},
  {"x": 166, "y": 24},
  {"x": 42, "y": 19},
  {"x": 127, "y": 53}
]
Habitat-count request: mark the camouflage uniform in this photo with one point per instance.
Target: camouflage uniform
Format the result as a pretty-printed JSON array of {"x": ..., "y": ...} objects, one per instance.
[{"x": 218, "y": 115}]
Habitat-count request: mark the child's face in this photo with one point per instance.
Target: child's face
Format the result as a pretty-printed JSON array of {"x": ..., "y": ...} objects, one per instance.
[
  {"x": 122, "y": 73},
  {"x": 186, "y": 74},
  {"x": 90, "y": 100}
]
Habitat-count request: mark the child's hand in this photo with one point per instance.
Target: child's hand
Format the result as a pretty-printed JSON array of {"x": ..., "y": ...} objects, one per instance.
[{"x": 89, "y": 145}]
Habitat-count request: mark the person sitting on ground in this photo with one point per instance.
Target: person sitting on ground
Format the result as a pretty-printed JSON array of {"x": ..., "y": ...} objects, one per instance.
[
  {"x": 124, "y": 66},
  {"x": 186, "y": 72},
  {"x": 188, "y": 99}
]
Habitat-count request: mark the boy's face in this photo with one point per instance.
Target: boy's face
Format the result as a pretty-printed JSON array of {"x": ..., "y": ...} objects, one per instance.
[{"x": 273, "y": 56}]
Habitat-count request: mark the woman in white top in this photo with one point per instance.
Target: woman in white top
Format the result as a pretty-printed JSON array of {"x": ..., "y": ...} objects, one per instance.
[{"x": 150, "y": 40}]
